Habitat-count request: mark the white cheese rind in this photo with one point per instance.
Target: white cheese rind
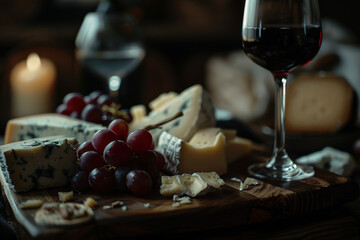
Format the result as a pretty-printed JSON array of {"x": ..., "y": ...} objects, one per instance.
[
  {"x": 39, "y": 163},
  {"x": 51, "y": 124},
  {"x": 198, "y": 112}
]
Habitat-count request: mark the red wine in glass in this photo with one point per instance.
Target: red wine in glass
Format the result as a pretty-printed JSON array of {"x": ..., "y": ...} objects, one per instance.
[
  {"x": 282, "y": 49},
  {"x": 281, "y": 35}
]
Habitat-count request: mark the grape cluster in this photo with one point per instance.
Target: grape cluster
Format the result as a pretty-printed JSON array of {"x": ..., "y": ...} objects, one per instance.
[
  {"x": 96, "y": 107},
  {"x": 115, "y": 160}
]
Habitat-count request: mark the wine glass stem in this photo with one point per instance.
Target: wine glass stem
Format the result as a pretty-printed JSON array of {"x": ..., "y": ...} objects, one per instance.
[{"x": 280, "y": 159}]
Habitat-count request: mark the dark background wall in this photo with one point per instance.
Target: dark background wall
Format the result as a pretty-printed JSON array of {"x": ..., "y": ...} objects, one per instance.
[{"x": 179, "y": 37}]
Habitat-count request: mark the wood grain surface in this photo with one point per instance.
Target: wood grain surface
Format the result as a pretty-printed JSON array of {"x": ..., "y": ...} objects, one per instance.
[{"x": 267, "y": 202}]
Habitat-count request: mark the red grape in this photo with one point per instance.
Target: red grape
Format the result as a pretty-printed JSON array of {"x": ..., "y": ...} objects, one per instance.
[
  {"x": 102, "y": 179},
  {"x": 160, "y": 160},
  {"x": 117, "y": 153},
  {"x": 120, "y": 178},
  {"x": 102, "y": 138},
  {"x": 62, "y": 109},
  {"x": 147, "y": 162},
  {"x": 357, "y": 148},
  {"x": 133, "y": 162},
  {"x": 85, "y": 147},
  {"x": 104, "y": 99},
  {"x": 107, "y": 118},
  {"x": 80, "y": 181},
  {"x": 139, "y": 182},
  {"x": 120, "y": 127},
  {"x": 74, "y": 102},
  {"x": 93, "y": 97},
  {"x": 92, "y": 113},
  {"x": 140, "y": 141},
  {"x": 91, "y": 160},
  {"x": 75, "y": 114}
]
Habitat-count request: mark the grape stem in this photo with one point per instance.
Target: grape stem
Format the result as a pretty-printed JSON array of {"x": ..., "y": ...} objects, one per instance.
[{"x": 169, "y": 119}]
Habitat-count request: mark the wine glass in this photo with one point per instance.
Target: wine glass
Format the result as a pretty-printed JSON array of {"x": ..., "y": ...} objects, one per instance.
[
  {"x": 109, "y": 46},
  {"x": 281, "y": 35}
]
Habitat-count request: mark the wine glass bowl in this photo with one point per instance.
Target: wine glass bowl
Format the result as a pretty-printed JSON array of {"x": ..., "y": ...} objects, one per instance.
[{"x": 280, "y": 36}]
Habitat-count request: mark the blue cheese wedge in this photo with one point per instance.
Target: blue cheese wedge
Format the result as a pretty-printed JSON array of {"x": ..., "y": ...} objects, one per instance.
[
  {"x": 50, "y": 124},
  {"x": 39, "y": 163},
  {"x": 196, "y": 106}
]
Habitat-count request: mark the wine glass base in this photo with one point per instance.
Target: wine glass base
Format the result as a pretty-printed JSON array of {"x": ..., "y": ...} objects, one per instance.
[{"x": 298, "y": 172}]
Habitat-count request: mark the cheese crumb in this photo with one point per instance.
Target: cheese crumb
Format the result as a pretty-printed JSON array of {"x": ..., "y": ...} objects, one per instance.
[
  {"x": 251, "y": 181},
  {"x": 147, "y": 205},
  {"x": 31, "y": 203},
  {"x": 66, "y": 196},
  {"x": 235, "y": 179},
  {"x": 185, "y": 200},
  {"x": 177, "y": 201},
  {"x": 124, "y": 208},
  {"x": 243, "y": 186},
  {"x": 117, "y": 204},
  {"x": 106, "y": 207},
  {"x": 89, "y": 202},
  {"x": 176, "y": 204}
]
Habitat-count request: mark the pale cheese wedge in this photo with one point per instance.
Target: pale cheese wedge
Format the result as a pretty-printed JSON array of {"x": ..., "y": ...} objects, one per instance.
[
  {"x": 162, "y": 99},
  {"x": 196, "y": 106}
]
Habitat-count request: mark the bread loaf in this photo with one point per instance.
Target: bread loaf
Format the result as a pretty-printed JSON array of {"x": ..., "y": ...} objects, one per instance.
[{"x": 318, "y": 103}]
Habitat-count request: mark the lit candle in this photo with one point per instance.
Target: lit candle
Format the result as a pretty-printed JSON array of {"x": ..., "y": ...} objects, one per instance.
[{"x": 32, "y": 85}]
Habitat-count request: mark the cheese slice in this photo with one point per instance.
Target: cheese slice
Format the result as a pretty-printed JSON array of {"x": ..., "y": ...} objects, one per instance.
[
  {"x": 50, "y": 124},
  {"x": 193, "y": 185},
  {"x": 185, "y": 157},
  {"x": 39, "y": 163},
  {"x": 197, "y": 108}
]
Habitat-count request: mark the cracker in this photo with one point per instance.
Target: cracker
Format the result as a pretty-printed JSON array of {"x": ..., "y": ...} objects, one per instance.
[{"x": 63, "y": 214}]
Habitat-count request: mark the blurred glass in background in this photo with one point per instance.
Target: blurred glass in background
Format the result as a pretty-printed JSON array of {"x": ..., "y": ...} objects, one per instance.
[{"x": 110, "y": 50}]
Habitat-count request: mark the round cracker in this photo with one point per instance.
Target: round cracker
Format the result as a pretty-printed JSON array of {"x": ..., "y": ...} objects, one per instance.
[{"x": 49, "y": 215}]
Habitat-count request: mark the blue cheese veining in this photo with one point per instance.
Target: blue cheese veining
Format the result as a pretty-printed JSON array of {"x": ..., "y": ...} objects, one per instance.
[
  {"x": 197, "y": 108},
  {"x": 38, "y": 163},
  {"x": 51, "y": 124}
]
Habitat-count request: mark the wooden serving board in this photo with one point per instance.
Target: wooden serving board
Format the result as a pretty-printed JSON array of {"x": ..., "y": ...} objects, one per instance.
[{"x": 268, "y": 201}]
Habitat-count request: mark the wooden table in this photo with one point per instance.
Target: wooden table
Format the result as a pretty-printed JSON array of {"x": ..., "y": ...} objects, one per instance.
[{"x": 323, "y": 207}]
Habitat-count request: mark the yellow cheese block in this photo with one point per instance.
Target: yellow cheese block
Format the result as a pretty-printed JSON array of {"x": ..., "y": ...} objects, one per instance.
[
  {"x": 184, "y": 157},
  {"x": 318, "y": 103},
  {"x": 235, "y": 147},
  {"x": 210, "y": 149}
]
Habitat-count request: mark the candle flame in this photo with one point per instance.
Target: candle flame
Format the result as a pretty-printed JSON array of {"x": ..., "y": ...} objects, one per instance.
[{"x": 33, "y": 62}]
